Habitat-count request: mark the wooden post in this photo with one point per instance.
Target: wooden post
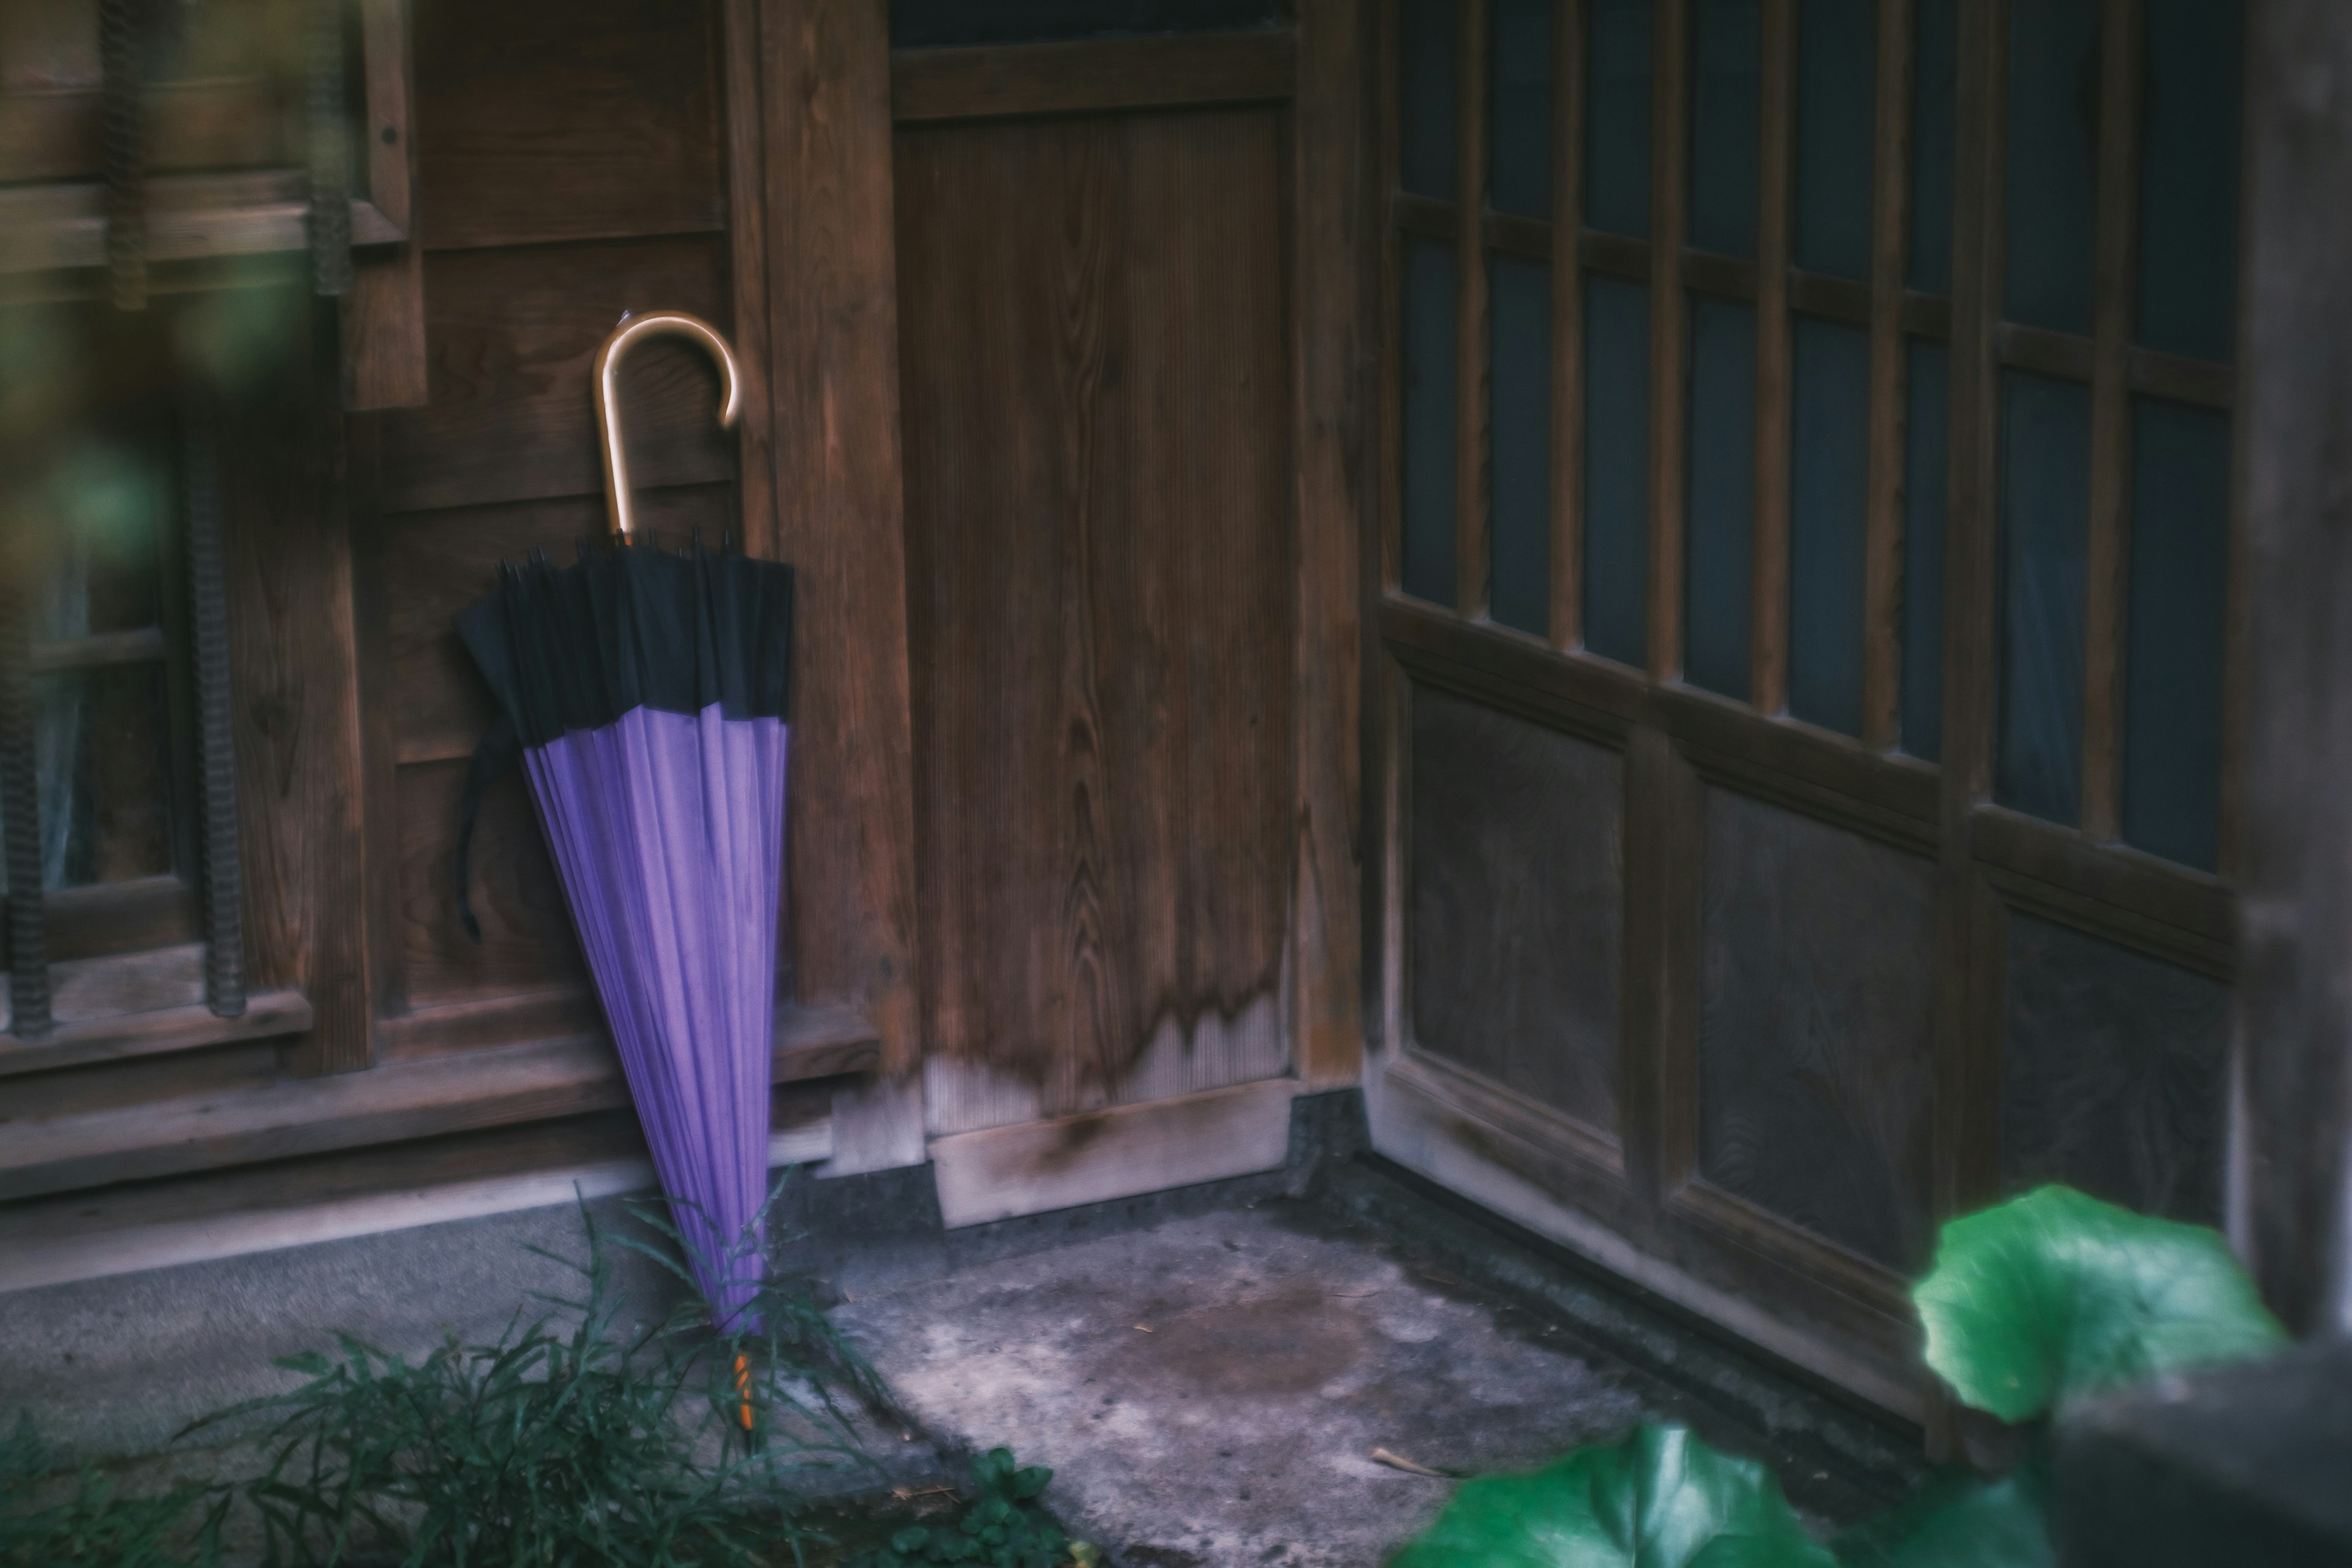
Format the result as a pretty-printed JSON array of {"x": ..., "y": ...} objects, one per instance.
[
  {"x": 2294, "y": 1008},
  {"x": 832, "y": 389}
]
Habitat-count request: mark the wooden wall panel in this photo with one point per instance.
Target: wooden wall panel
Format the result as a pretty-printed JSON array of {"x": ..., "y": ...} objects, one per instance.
[
  {"x": 1519, "y": 903},
  {"x": 1097, "y": 408},
  {"x": 2114, "y": 1069},
  {"x": 511, "y": 335},
  {"x": 528, "y": 942},
  {"x": 1814, "y": 1030},
  {"x": 547, "y": 120}
]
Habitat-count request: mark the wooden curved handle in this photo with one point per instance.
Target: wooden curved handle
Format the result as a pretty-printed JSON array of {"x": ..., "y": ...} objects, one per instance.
[{"x": 607, "y": 378}]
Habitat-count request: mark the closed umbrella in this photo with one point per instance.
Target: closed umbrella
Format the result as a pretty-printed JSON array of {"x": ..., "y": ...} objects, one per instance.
[{"x": 645, "y": 688}]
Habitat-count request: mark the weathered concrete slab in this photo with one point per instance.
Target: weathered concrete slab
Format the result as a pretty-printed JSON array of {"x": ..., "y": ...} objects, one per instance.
[{"x": 1210, "y": 1391}]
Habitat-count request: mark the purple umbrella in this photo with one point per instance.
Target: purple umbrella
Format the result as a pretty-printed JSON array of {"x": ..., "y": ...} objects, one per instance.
[{"x": 646, "y": 689}]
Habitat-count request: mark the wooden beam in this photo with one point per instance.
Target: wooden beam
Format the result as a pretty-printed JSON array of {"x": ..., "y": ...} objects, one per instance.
[
  {"x": 189, "y": 218},
  {"x": 1000, "y": 80},
  {"x": 1336, "y": 229},
  {"x": 1768, "y": 676},
  {"x": 1890, "y": 227},
  {"x": 226, "y": 122},
  {"x": 833, "y": 368},
  {"x": 1472, "y": 556},
  {"x": 1568, "y": 326},
  {"x": 2294, "y": 1013},
  {"x": 384, "y": 314},
  {"x": 2116, "y": 274}
]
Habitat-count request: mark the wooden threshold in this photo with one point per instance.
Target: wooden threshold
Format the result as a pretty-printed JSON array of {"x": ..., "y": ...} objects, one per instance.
[
  {"x": 123, "y": 1036},
  {"x": 531, "y": 1082},
  {"x": 998, "y": 81}
]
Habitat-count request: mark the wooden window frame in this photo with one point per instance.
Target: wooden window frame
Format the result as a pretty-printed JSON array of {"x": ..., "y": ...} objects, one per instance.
[{"x": 1675, "y": 738}]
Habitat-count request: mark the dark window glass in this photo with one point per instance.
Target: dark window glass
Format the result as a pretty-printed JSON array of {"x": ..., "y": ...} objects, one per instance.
[
  {"x": 926, "y": 24},
  {"x": 2189, "y": 179},
  {"x": 100, "y": 755},
  {"x": 1519, "y": 535},
  {"x": 1837, "y": 96},
  {"x": 1927, "y": 401},
  {"x": 102, "y": 572},
  {"x": 1725, "y": 119},
  {"x": 1429, "y": 420},
  {"x": 1721, "y": 535},
  {"x": 1935, "y": 76},
  {"x": 1426, "y": 70},
  {"x": 2053, "y": 118},
  {"x": 2045, "y": 507},
  {"x": 2179, "y": 573},
  {"x": 1616, "y": 470},
  {"x": 1617, "y": 118},
  {"x": 1521, "y": 99},
  {"x": 1829, "y": 502}
]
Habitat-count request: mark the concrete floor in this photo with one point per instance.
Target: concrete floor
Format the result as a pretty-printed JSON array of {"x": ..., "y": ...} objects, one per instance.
[
  {"x": 1209, "y": 1371},
  {"x": 1211, "y": 1391}
]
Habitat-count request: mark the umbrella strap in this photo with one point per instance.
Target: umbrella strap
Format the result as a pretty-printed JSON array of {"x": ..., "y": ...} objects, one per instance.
[{"x": 495, "y": 756}]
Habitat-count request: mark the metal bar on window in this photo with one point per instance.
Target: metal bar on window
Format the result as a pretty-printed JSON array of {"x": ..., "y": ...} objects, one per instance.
[
  {"x": 121, "y": 37},
  {"x": 329, "y": 141},
  {"x": 1669, "y": 162},
  {"x": 1777, "y": 93},
  {"x": 1568, "y": 326},
  {"x": 224, "y": 888},
  {"x": 20, "y": 814},
  {"x": 1882, "y": 660}
]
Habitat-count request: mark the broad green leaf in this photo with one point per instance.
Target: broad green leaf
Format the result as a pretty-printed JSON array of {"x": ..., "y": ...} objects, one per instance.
[
  {"x": 2056, "y": 1294},
  {"x": 1661, "y": 1499},
  {"x": 1958, "y": 1521}
]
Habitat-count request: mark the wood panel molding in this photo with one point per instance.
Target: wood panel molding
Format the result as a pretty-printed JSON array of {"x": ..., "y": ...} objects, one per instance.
[
  {"x": 1000, "y": 80},
  {"x": 824, "y": 114}
]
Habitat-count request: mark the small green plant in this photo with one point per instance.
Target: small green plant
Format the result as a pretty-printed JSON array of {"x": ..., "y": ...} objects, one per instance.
[
  {"x": 595, "y": 1443},
  {"x": 1001, "y": 1526},
  {"x": 2030, "y": 1304},
  {"x": 94, "y": 1525}
]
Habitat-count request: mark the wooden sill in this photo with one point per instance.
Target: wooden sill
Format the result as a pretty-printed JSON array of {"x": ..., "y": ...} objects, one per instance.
[
  {"x": 530, "y": 1082},
  {"x": 189, "y": 218},
  {"x": 84, "y": 1041},
  {"x": 1093, "y": 76}
]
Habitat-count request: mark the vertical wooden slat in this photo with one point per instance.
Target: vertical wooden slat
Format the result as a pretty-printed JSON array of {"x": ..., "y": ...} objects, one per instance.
[
  {"x": 1396, "y": 879},
  {"x": 832, "y": 350},
  {"x": 1473, "y": 558},
  {"x": 1566, "y": 325},
  {"x": 2294, "y": 1027},
  {"x": 755, "y": 469},
  {"x": 1336, "y": 216},
  {"x": 1669, "y": 375},
  {"x": 2115, "y": 271},
  {"x": 384, "y": 314},
  {"x": 1967, "y": 1084},
  {"x": 1882, "y": 571},
  {"x": 1389, "y": 128},
  {"x": 1775, "y": 185}
]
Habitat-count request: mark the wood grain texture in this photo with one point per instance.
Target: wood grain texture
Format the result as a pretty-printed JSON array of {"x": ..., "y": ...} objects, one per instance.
[
  {"x": 384, "y": 314},
  {"x": 512, "y": 334},
  {"x": 295, "y": 726},
  {"x": 528, "y": 942},
  {"x": 2114, "y": 1071},
  {"x": 1518, "y": 904},
  {"x": 1336, "y": 207},
  {"x": 1181, "y": 70},
  {"x": 1815, "y": 1034},
  {"x": 832, "y": 367},
  {"x": 1101, "y": 587},
  {"x": 2294, "y": 1030},
  {"x": 549, "y": 119}
]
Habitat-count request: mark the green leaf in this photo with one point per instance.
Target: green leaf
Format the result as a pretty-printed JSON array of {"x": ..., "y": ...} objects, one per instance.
[
  {"x": 1958, "y": 1520},
  {"x": 1661, "y": 1499},
  {"x": 2056, "y": 1294}
]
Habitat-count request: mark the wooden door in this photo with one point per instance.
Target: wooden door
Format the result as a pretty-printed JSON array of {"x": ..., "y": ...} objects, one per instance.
[
  {"x": 1109, "y": 544},
  {"x": 1803, "y": 629}
]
